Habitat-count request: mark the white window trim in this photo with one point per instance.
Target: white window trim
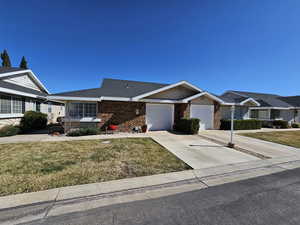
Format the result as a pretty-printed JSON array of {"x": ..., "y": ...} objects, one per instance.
[
  {"x": 12, "y": 107},
  {"x": 12, "y": 115},
  {"x": 82, "y": 119}
]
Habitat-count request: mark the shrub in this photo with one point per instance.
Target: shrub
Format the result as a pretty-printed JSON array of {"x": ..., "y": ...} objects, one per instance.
[
  {"x": 295, "y": 125},
  {"x": 241, "y": 124},
  {"x": 83, "y": 132},
  {"x": 188, "y": 126},
  {"x": 9, "y": 130},
  {"x": 282, "y": 124},
  {"x": 33, "y": 121},
  {"x": 56, "y": 129}
]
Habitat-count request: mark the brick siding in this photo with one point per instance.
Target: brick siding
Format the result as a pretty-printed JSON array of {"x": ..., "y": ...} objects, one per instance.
[{"x": 123, "y": 114}]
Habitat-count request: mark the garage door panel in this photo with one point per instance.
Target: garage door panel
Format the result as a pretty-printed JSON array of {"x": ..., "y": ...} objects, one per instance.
[
  {"x": 159, "y": 116},
  {"x": 205, "y": 114}
]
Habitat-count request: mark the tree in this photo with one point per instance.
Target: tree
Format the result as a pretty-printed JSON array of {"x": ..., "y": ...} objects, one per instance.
[
  {"x": 5, "y": 59},
  {"x": 23, "y": 63}
]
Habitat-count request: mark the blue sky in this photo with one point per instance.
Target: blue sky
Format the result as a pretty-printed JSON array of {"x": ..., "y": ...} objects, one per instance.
[{"x": 250, "y": 45}]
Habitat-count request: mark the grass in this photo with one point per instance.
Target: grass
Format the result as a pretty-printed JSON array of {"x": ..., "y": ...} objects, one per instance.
[
  {"x": 291, "y": 138},
  {"x": 39, "y": 166}
]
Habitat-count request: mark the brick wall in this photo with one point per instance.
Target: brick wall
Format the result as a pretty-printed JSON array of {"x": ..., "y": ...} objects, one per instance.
[
  {"x": 181, "y": 111},
  {"x": 122, "y": 114}
]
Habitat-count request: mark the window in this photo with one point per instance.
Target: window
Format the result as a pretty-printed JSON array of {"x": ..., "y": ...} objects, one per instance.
[
  {"x": 5, "y": 104},
  {"x": 49, "y": 107},
  {"x": 254, "y": 114},
  {"x": 259, "y": 114},
  {"x": 80, "y": 110},
  {"x": 38, "y": 106},
  {"x": 263, "y": 114},
  {"x": 89, "y": 110},
  {"x": 11, "y": 105},
  {"x": 275, "y": 114},
  {"x": 17, "y": 105}
]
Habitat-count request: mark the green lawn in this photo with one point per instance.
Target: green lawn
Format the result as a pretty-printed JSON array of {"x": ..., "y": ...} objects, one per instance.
[
  {"x": 291, "y": 138},
  {"x": 39, "y": 166}
]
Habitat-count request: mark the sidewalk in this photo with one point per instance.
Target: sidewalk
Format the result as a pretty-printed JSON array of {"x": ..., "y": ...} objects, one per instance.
[{"x": 84, "y": 197}]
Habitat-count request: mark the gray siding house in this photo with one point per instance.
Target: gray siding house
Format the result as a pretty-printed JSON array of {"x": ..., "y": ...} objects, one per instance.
[
  {"x": 21, "y": 91},
  {"x": 268, "y": 107}
]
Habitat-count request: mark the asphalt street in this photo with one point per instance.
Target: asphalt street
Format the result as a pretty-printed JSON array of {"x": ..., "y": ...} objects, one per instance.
[{"x": 268, "y": 200}]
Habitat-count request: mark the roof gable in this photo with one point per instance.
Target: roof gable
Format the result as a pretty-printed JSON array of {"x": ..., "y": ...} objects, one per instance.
[
  {"x": 10, "y": 74},
  {"x": 23, "y": 80}
]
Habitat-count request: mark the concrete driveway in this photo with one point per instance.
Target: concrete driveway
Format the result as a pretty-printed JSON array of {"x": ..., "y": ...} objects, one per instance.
[
  {"x": 269, "y": 149},
  {"x": 198, "y": 152}
]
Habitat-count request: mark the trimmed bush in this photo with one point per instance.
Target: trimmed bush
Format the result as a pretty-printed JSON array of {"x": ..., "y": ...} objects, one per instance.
[
  {"x": 281, "y": 124},
  {"x": 188, "y": 126},
  {"x": 9, "y": 130},
  {"x": 56, "y": 129},
  {"x": 83, "y": 132},
  {"x": 241, "y": 124},
  {"x": 33, "y": 121},
  {"x": 295, "y": 125}
]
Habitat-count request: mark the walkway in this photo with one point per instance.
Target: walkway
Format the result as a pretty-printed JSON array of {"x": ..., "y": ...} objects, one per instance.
[{"x": 269, "y": 149}]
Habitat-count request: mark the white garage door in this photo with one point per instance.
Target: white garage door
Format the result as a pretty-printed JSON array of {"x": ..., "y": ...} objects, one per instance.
[
  {"x": 205, "y": 113},
  {"x": 159, "y": 116}
]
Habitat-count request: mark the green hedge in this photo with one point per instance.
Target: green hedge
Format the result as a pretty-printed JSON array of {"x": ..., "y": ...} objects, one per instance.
[
  {"x": 84, "y": 132},
  {"x": 188, "y": 126},
  {"x": 241, "y": 124},
  {"x": 282, "y": 124},
  {"x": 9, "y": 130},
  {"x": 33, "y": 121},
  {"x": 295, "y": 125}
]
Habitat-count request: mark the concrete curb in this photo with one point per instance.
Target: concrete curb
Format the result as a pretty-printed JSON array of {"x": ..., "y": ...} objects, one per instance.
[{"x": 207, "y": 177}]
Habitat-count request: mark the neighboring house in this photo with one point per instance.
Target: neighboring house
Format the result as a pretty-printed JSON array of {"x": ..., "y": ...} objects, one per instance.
[
  {"x": 262, "y": 106},
  {"x": 131, "y": 104},
  {"x": 21, "y": 91}
]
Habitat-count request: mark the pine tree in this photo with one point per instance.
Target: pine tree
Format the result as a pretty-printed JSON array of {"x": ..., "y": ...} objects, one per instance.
[
  {"x": 23, "y": 63},
  {"x": 5, "y": 59}
]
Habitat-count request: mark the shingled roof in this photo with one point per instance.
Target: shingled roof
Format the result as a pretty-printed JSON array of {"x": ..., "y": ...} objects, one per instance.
[
  {"x": 265, "y": 100},
  {"x": 292, "y": 100},
  {"x": 10, "y": 69},
  {"x": 115, "y": 88}
]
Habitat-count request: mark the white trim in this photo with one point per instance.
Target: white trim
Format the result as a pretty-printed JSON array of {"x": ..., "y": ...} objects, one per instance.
[
  {"x": 166, "y": 88},
  {"x": 82, "y": 120},
  {"x": 160, "y": 101},
  {"x": 250, "y": 99},
  {"x": 107, "y": 98},
  {"x": 67, "y": 98},
  {"x": 10, "y": 91},
  {"x": 31, "y": 74},
  {"x": 11, "y": 115},
  {"x": 201, "y": 94},
  {"x": 281, "y": 108}
]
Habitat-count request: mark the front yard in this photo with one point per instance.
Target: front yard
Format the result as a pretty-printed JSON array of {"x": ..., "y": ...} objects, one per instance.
[
  {"x": 36, "y": 166},
  {"x": 291, "y": 138}
]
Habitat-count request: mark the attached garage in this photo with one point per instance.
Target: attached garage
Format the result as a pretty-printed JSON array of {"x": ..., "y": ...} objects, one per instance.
[
  {"x": 159, "y": 116},
  {"x": 205, "y": 113}
]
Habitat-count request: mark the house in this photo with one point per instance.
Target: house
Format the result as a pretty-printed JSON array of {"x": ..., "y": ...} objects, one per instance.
[
  {"x": 131, "y": 104},
  {"x": 267, "y": 107},
  {"x": 21, "y": 91}
]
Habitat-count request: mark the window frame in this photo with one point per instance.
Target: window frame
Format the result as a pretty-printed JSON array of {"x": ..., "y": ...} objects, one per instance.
[
  {"x": 16, "y": 106},
  {"x": 78, "y": 110}
]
